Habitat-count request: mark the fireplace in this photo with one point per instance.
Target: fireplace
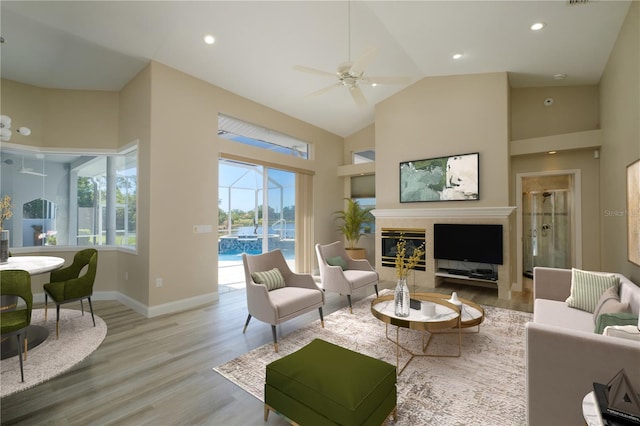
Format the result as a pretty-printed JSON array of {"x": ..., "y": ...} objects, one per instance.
[{"x": 389, "y": 240}]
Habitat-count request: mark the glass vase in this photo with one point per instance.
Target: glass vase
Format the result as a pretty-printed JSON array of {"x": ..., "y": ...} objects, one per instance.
[
  {"x": 4, "y": 246},
  {"x": 401, "y": 298}
]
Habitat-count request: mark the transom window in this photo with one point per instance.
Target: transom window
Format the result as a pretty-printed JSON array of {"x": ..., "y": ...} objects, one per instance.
[{"x": 251, "y": 134}]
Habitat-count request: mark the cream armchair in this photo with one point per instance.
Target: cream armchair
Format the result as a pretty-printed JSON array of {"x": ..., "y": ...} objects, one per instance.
[
  {"x": 341, "y": 274},
  {"x": 275, "y": 296}
]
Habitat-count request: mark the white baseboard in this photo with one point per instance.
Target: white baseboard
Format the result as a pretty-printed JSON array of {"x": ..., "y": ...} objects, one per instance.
[{"x": 148, "y": 311}]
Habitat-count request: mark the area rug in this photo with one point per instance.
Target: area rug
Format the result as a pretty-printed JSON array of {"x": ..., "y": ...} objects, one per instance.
[
  {"x": 78, "y": 339},
  {"x": 484, "y": 386}
]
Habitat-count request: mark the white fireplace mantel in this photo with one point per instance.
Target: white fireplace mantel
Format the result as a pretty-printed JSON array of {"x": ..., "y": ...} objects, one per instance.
[{"x": 462, "y": 212}]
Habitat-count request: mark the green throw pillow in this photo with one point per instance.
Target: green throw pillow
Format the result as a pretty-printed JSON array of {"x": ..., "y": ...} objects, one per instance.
[
  {"x": 587, "y": 288},
  {"x": 271, "y": 279},
  {"x": 619, "y": 318},
  {"x": 338, "y": 261}
]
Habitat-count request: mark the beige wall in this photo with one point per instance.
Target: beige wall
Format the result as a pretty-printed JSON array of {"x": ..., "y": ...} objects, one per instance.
[
  {"x": 184, "y": 151},
  {"x": 440, "y": 116},
  {"x": 574, "y": 109},
  {"x": 135, "y": 126},
  {"x": 62, "y": 118},
  {"x": 173, "y": 118},
  {"x": 620, "y": 118}
]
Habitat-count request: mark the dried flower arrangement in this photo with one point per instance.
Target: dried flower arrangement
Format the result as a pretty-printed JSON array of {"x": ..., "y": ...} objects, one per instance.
[
  {"x": 403, "y": 263},
  {"x": 5, "y": 210}
]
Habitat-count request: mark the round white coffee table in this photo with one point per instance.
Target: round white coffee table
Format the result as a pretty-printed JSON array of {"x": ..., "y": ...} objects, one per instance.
[{"x": 448, "y": 318}]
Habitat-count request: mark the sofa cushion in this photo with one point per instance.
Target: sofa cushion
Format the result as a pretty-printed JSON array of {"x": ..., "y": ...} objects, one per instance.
[
  {"x": 629, "y": 332},
  {"x": 338, "y": 261},
  {"x": 557, "y": 313},
  {"x": 620, "y": 318},
  {"x": 588, "y": 287},
  {"x": 609, "y": 303},
  {"x": 271, "y": 279}
]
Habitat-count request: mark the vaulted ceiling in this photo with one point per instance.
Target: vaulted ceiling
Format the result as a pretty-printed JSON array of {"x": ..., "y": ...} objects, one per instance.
[{"x": 103, "y": 44}]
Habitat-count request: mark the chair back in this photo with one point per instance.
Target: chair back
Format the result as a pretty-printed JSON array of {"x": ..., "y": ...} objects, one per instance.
[
  {"x": 83, "y": 285},
  {"x": 265, "y": 262},
  {"x": 18, "y": 283},
  {"x": 327, "y": 251}
]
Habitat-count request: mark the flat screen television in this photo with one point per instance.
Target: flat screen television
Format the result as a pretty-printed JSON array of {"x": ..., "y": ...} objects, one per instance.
[{"x": 468, "y": 242}]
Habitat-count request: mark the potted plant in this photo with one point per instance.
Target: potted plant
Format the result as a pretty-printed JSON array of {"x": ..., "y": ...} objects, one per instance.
[{"x": 352, "y": 219}]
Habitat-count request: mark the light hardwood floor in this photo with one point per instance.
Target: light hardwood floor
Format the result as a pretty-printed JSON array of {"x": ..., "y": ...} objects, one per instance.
[{"x": 158, "y": 371}]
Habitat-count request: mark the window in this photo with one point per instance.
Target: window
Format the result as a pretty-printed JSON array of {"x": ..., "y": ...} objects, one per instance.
[
  {"x": 70, "y": 199},
  {"x": 254, "y": 135},
  {"x": 367, "y": 156}
]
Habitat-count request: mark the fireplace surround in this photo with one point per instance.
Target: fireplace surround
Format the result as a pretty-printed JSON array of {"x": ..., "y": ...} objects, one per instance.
[{"x": 422, "y": 220}]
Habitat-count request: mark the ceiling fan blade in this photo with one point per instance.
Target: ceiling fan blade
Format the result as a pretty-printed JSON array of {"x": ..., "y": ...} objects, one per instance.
[
  {"x": 386, "y": 80},
  {"x": 313, "y": 71},
  {"x": 31, "y": 172},
  {"x": 322, "y": 91},
  {"x": 363, "y": 61},
  {"x": 358, "y": 96}
]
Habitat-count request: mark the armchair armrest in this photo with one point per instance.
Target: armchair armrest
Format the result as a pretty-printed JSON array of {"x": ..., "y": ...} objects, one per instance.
[
  {"x": 301, "y": 280},
  {"x": 551, "y": 283},
  {"x": 359, "y": 264},
  {"x": 259, "y": 304}
]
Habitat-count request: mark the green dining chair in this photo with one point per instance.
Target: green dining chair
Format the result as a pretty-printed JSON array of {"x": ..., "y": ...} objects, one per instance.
[
  {"x": 15, "y": 322},
  {"x": 70, "y": 284}
]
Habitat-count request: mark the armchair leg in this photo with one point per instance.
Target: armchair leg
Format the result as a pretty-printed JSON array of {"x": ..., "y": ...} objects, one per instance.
[
  {"x": 91, "y": 309},
  {"x": 81, "y": 307},
  {"x": 321, "y": 318},
  {"x": 275, "y": 337},
  {"x": 45, "y": 305},
  {"x": 246, "y": 323},
  {"x": 376, "y": 287},
  {"x": 350, "y": 306},
  {"x": 26, "y": 344}
]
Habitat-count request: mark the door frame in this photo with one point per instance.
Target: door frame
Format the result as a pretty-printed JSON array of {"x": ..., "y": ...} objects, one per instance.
[{"x": 576, "y": 219}]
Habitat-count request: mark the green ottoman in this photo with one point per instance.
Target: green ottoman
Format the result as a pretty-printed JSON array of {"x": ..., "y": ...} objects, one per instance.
[{"x": 325, "y": 384}]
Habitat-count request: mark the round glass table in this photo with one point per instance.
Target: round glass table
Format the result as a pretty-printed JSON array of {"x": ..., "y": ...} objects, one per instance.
[
  {"x": 34, "y": 265},
  {"x": 448, "y": 318}
]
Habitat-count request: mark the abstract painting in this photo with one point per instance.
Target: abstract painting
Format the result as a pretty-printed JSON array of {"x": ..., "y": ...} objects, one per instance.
[
  {"x": 633, "y": 212},
  {"x": 449, "y": 178}
]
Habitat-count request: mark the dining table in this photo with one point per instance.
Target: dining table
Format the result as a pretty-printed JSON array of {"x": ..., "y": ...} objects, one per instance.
[{"x": 34, "y": 265}]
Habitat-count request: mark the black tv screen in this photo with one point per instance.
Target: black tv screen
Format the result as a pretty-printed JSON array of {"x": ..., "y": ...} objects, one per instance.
[{"x": 468, "y": 242}]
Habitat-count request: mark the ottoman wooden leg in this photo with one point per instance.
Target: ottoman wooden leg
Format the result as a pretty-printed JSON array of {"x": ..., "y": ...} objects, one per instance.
[{"x": 266, "y": 412}]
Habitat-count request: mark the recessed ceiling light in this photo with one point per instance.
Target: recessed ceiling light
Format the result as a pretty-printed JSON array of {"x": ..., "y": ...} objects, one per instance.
[
  {"x": 560, "y": 76},
  {"x": 209, "y": 39},
  {"x": 537, "y": 26},
  {"x": 457, "y": 56},
  {"x": 553, "y": 152},
  {"x": 374, "y": 84}
]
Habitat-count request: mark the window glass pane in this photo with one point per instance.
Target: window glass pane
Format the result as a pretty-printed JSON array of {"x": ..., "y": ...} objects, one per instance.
[
  {"x": 367, "y": 156},
  {"x": 61, "y": 198},
  {"x": 260, "y": 137}
]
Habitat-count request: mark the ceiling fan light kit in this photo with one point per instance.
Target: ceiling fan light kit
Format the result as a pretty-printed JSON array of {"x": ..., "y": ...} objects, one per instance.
[{"x": 5, "y": 129}]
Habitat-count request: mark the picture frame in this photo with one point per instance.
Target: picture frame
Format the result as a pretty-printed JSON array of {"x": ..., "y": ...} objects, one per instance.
[
  {"x": 633, "y": 212},
  {"x": 449, "y": 178}
]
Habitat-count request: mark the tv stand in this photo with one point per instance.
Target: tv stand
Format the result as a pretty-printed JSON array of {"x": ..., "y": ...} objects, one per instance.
[{"x": 474, "y": 274}]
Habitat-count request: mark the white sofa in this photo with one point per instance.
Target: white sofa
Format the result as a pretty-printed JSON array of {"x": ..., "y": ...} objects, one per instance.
[{"x": 563, "y": 354}]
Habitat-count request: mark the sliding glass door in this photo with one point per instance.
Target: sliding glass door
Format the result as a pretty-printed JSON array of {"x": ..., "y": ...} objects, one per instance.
[{"x": 244, "y": 224}]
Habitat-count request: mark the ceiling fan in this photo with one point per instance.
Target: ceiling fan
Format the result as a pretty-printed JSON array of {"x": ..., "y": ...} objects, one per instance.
[
  {"x": 28, "y": 171},
  {"x": 352, "y": 74}
]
